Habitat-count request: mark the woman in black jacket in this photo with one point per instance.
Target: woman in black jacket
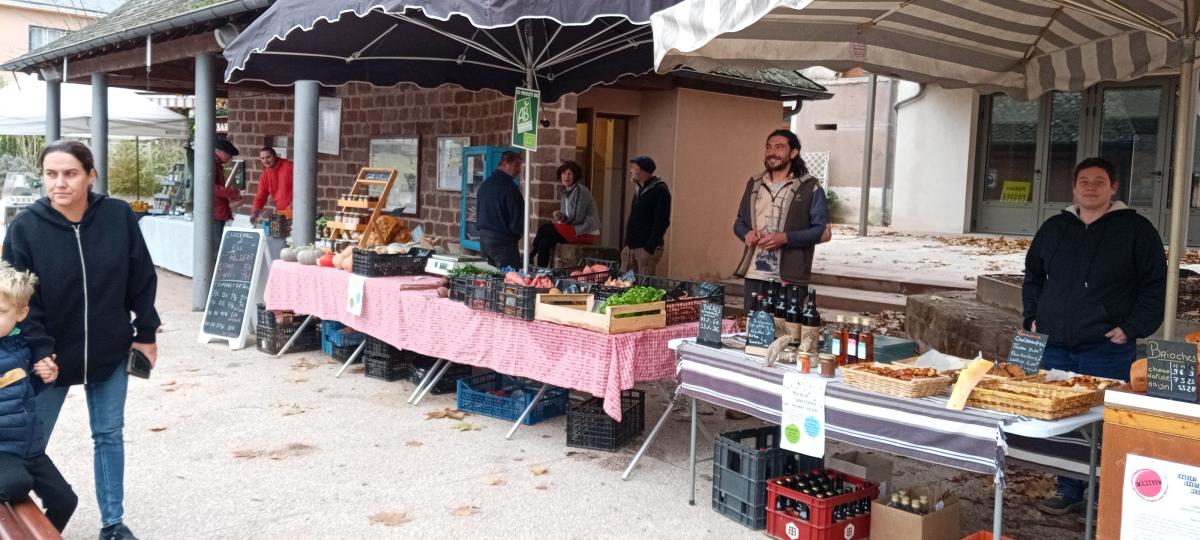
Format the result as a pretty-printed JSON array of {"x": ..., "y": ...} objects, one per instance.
[{"x": 95, "y": 271}]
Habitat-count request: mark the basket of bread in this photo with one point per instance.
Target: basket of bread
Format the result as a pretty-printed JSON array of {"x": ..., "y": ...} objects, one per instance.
[{"x": 903, "y": 381}]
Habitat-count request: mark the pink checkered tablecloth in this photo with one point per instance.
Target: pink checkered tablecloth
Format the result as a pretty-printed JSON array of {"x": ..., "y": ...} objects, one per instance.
[{"x": 417, "y": 320}]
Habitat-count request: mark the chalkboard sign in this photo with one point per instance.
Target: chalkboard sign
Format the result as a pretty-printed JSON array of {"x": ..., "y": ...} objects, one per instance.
[
  {"x": 235, "y": 281},
  {"x": 1027, "y": 350},
  {"x": 761, "y": 331},
  {"x": 706, "y": 289},
  {"x": 710, "y": 324},
  {"x": 1171, "y": 367}
]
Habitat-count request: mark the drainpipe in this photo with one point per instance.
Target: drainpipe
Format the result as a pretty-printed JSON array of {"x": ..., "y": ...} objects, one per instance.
[{"x": 889, "y": 179}]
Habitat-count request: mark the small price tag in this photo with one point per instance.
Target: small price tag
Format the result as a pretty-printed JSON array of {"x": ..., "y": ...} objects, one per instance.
[
  {"x": 1171, "y": 369},
  {"x": 710, "y": 324},
  {"x": 1027, "y": 350}
]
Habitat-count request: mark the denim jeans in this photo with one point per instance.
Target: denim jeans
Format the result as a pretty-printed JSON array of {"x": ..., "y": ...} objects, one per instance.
[
  {"x": 1105, "y": 359},
  {"x": 106, "y": 412}
]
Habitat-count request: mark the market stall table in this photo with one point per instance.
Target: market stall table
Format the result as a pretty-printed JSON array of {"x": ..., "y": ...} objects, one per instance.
[
  {"x": 169, "y": 240},
  {"x": 418, "y": 320},
  {"x": 971, "y": 439}
]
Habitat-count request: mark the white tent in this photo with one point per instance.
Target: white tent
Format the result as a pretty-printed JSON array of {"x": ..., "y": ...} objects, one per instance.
[{"x": 23, "y": 112}]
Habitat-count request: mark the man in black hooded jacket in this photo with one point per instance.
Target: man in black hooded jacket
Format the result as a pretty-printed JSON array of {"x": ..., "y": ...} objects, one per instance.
[{"x": 1095, "y": 282}]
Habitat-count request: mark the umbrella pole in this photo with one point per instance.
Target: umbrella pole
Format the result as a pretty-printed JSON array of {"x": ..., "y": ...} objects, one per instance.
[
  {"x": 1185, "y": 131},
  {"x": 528, "y": 187}
]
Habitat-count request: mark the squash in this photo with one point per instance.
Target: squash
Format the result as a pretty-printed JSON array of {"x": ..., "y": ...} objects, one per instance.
[
  {"x": 288, "y": 254},
  {"x": 337, "y": 261},
  {"x": 1139, "y": 377},
  {"x": 308, "y": 256}
]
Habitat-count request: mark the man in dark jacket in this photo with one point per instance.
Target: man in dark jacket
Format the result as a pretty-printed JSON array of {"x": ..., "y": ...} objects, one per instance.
[
  {"x": 782, "y": 217},
  {"x": 500, "y": 215},
  {"x": 1095, "y": 282},
  {"x": 649, "y": 217}
]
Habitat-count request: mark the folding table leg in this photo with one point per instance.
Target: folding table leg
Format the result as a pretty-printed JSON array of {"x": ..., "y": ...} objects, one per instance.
[
  {"x": 353, "y": 357},
  {"x": 295, "y": 336},
  {"x": 425, "y": 380},
  {"x": 692, "y": 491},
  {"x": 1089, "y": 526},
  {"x": 433, "y": 382},
  {"x": 527, "y": 410},
  {"x": 998, "y": 509},
  {"x": 649, "y": 439},
  {"x": 703, "y": 430}
]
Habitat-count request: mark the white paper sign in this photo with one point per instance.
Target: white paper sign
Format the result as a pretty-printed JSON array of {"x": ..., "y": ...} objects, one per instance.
[
  {"x": 354, "y": 294},
  {"x": 329, "y": 125},
  {"x": 803, "y": 414},
  {"x": 1160, "y": 499}
]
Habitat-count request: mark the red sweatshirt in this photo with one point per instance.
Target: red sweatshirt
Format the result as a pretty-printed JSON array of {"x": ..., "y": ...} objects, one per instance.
[{"x": 276, "y": 182}]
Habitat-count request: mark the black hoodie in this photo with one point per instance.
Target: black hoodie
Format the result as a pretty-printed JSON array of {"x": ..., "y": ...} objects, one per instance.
[
  {"x": 1081, "y": 280},
  {"x": 91, "y": 276},
  {"x": 649, "y": 216}
]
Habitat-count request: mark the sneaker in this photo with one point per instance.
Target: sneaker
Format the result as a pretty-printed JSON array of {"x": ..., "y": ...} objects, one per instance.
[
  {"x": 117, "y": 532},
  {"x": 1059, "y": 505}
]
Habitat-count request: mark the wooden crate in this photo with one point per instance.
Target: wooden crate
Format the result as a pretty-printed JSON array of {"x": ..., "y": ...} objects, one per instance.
[{"x": 576, "y": 310}]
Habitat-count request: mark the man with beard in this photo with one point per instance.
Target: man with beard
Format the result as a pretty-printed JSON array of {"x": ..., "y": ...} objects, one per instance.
[{"x": 782, "y": 217}]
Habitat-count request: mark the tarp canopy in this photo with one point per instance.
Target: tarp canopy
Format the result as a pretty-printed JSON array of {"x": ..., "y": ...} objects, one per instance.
[{"x": 23, "y": 112}]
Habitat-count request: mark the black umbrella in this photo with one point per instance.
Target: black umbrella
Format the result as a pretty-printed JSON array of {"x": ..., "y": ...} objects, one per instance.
[{"x": 555, "y": 46}]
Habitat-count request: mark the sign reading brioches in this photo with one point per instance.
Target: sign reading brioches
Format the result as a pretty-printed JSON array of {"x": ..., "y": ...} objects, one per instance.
[{"x": 526, "y": 104}]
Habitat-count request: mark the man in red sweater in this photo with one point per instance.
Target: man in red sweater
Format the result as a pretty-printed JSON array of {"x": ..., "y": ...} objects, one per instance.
[
  {"x": 223, "y": 195},
  {"x": 276, "y": 182}
]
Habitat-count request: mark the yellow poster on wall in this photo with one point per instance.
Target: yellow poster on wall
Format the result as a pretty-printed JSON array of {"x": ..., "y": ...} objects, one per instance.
[{"x": 1017, "y": 192}]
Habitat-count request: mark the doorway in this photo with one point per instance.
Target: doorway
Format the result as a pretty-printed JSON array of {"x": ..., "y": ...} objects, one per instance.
[{"x": 601, "y": 148}]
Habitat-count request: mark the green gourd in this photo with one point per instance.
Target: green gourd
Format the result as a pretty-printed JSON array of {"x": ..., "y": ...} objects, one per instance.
[{"x": 308, "y": 256}]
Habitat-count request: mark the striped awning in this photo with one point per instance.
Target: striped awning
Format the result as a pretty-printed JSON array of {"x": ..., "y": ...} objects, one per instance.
[{"x": 1020, "y": 47}]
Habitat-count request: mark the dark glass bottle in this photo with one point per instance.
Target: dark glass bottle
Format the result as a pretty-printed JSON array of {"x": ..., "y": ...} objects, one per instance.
[
  {"x": 793, "y": 308},
  {"x": 769, "y": 305},
  {"x": 781, "y": 299},
  {"x": 802, "y": 511},
  {"x": 810, "y": 316}
]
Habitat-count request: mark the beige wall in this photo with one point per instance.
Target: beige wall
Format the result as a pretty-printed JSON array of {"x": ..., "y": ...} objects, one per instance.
[{"x": 15, "y": 23}]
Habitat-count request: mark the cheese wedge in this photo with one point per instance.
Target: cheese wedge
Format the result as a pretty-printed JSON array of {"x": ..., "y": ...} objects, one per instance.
[{"x": 967, "y": 379}]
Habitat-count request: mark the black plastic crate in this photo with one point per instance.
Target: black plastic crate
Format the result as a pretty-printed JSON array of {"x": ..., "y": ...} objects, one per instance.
[
  {"x": 588, "y": 426},
  {"x": 687, "y": 308},
  {"x": 277, "y": 226},
  {"x": 742, "y": 463},
  {"x": 370, "y": 263},
  {"x": 387, "y": 369},
  {"x": 477, "y": 292},
  {"x": 588, "y": 277},
  {"x": 278, "y": 319},
  {"x": 271, "y": 341},
  {"x": 420, "y": 365},
  {"x": 517, "y": 301},
  {"x": 377, "y": 348},
  {"x": 341, "y": 354}
]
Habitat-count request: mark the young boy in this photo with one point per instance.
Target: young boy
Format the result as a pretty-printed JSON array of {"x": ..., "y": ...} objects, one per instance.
[{"x": 24, "y": 466}]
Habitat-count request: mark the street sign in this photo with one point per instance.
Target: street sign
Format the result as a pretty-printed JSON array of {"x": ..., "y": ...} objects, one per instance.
[{"x": 526, "y": 104}]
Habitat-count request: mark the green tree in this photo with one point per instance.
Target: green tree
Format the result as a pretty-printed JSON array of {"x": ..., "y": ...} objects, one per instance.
[{"x": 155, "y": 158}]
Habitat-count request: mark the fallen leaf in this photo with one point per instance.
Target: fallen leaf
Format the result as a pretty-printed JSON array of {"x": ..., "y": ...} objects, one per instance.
[
  {"x": 357, "y": 369},
  {"x": 466, "y": 426},
  {"x": 292, "y": 412},
  {"x": 497, "y": 481},
  {"x": 437, "y": 414},
  {"x": 465, "y": 510},
  {"x": 246, "y": 454},
  {"x": 539, "y": 471},
  {"x": 542, "y": 487},
  {"x": 413, "y": 444},
  {"x": 169, "y": 383},
  {"x": 297, "y": 380},
  {"x": 457, "y": 415},
  {"x": 391, "y": 519}
]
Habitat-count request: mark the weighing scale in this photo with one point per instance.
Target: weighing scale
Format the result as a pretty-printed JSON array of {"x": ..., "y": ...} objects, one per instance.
[{"x": 441, "y": 265}]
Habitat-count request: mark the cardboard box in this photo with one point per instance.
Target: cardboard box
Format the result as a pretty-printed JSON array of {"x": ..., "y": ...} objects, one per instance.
[
  {"x": 869, "y": 467},
  {"x": 889, "y": 523}
]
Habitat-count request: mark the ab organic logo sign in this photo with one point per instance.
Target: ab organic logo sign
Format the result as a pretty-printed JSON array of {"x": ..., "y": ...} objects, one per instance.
[{"x": 1149, "y": 485}]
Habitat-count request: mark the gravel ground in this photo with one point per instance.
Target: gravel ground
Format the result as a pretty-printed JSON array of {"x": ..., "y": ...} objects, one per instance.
[{"x": 236, "y": 444}]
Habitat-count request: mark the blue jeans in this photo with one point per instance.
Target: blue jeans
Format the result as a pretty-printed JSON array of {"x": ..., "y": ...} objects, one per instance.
[
  {"x": 1099, "y": 360},
  {"x": 106, "y": 412}
]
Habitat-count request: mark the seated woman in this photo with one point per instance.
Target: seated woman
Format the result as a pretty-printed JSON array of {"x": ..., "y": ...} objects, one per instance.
[{"x": 577, "y": 220}]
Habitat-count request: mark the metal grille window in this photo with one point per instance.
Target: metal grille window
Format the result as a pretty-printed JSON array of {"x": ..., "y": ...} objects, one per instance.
[{"x": 40, "y": 36}]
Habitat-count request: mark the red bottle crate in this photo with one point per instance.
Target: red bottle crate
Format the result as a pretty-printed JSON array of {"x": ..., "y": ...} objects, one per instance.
[{"x": 820, "y": 524}]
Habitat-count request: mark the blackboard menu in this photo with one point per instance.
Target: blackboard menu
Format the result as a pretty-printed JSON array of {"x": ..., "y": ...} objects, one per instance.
[
  {"x": 1027, "y": 350},
  {"x": 710, "y": 324},
  {"x": 761, "y": 331},
  {"x": 1171, "y": 368},
  {"x": 232, "y": 284}
]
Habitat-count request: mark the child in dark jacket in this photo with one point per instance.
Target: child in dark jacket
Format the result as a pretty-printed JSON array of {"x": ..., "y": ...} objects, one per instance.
[{"x": 24, "y": 466}]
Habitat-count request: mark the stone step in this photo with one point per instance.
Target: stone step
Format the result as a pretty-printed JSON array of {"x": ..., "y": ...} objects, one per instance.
[
  {"x": 865, "y": 280},
  {"x": 832, "y": 298}
]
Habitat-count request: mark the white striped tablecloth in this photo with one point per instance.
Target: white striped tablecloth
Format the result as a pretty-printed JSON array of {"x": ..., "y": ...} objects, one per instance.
[{"x": 971, "y": 439}]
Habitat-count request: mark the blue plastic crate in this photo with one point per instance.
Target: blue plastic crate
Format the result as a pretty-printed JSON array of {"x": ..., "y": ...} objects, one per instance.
[
  {"x": 473, "y": 397},
  {"x": 332, "y": 335}
]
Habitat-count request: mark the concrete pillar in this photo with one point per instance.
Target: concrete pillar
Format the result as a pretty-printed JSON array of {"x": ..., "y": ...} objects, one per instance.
[
  {"x": 53, "y": 110},
  {"x": 99, "y": 124},
  {"x": 202, "y": 198},
  {"x": 304, "y": 179}
]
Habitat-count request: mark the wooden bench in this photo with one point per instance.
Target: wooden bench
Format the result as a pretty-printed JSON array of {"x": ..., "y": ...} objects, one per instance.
[{"x": 23, "y": 520}]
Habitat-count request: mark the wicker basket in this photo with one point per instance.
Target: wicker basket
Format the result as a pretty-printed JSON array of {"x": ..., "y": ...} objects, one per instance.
[
  {"x": 1032, "y": 399},
  {"x": 856, "y": 376}
]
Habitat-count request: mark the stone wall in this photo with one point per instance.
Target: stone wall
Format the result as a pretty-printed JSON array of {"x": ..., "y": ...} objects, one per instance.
[{"x": 255, "y": 118}]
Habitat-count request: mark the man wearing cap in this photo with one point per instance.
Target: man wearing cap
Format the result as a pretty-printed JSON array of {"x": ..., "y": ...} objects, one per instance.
[
  {"x": 275, "y": 182},
  {"x": 500, "y": 213},
  {"x": 222, "y": 195},
  {"x": 649, "y": 217}
]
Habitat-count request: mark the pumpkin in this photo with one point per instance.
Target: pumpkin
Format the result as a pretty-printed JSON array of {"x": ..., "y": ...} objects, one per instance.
[
  {"x": 337, "y": 261},
  {"x": 347, "y": 264},
  {"x": 288, "y": 254},
  {"x": 308, "y": 256}
]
